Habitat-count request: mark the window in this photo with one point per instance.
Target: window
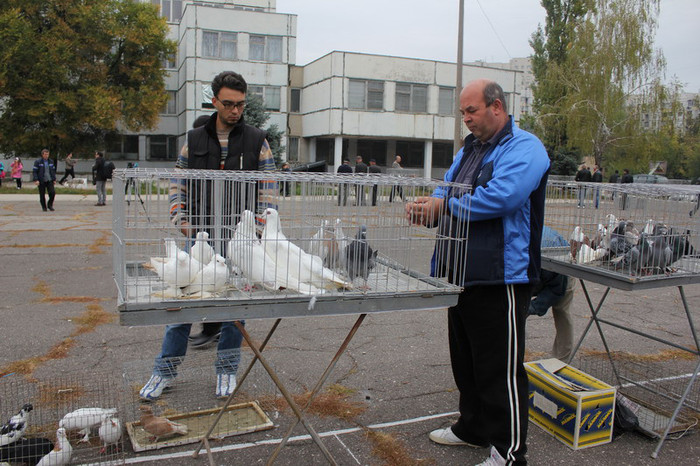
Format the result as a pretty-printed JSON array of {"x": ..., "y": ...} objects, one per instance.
[
  {"x": 170, "y": 63},
  {"x": 220, "y": 44},
  {"x": 412, "y": 153},
  {"x": 295, "y": 101},
  {"x": 171, "y": 10},
  {"x": 265, "y": 48},
  {"x": 367, "y": 95},
  {"x": 270, "y": 95},
  {"x": 161, "y": 147},
  {"x": 411, "y": 98},
  {"x": 442, "y": 155},
  {"x": 446, "y": 101},
  {"x": 292, "y": 149},
  {"x": 121, "y": 146},
  {"x": 170, "y": 106}
]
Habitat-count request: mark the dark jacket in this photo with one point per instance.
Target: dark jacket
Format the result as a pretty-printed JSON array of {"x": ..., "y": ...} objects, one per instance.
[
  {"x": 361, "y": 167},
  {"x": 627, "y": 178},
  {"x": 597, "y": 177},
  {"x": 583, "y": 175},
  {"x": 344, "y": 168},
  {"x": 38, "y": 169},
  {"x": 98, "y": 169},
  {"x": 374, "y": 169}
]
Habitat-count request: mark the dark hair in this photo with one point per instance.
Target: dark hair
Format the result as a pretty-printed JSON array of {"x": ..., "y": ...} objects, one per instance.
[
  {"x": 372, "y": 160},
  {"x": 129, "y": 165},
  {"x": 44, "y": 150},
  {"x": 493, "y": 91},
  {"x": 99, "y": 153},
  {"x": 229, "y": 79},
  {"x": 201, "y": 120}
]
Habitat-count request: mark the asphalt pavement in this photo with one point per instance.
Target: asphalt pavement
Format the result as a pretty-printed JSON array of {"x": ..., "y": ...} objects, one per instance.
[{"x": 57, "y": 266}]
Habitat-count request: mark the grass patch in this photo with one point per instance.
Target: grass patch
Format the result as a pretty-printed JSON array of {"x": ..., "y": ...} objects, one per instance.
[
  {"x": 333, "y": 402},
  {"x": 94, "y": 316},
  {"x": 660, "y": 356},
  {"x": 100, "y": 245},
  {"x": 28, "y": 365},
  {"x": 393, "y": 452},
  {"x": 57, "y": 396}
]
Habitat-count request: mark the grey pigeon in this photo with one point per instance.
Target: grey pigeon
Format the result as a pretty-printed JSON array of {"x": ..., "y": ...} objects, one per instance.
[
  {"x": 359, "y": 256},
  {"x": 14, "y": 429}
]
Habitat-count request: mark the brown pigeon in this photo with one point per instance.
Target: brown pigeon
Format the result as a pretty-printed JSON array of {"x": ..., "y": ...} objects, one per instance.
[{"x": 159, "y": 427}]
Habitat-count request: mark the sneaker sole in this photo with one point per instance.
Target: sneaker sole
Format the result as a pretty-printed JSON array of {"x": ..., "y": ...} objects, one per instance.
[{"x": 461, "y": 443}]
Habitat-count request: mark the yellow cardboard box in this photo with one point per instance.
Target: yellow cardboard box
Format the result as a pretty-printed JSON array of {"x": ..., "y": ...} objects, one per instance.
[{"x": 571, "y": 405}]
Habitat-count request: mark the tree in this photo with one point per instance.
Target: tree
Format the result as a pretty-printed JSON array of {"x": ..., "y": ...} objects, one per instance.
[
  {"x": 72, "y": 71},
  {"x": 256, "y": 115},
  {"x": 551, "y": 47}
]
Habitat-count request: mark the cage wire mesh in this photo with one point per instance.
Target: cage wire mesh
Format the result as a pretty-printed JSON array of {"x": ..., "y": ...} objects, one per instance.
[
  {"x": 650, "y": 389},
  {"x": 191, "y": 401},
  {"x": 275, "y": 237},
  {"x": 630, "y": 233},
  {"x": 91, "y": 408}
]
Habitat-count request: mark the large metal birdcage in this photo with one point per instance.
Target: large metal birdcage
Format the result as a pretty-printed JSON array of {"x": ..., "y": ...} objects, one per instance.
[
  {"x": 624, "y": 235},
  {"x": 195, "y": 245}
]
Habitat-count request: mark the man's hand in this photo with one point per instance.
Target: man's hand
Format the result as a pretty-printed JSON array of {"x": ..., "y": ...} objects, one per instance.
[
  {"x": 424, "y": 211},
  {"x": 36, "y": 182}
]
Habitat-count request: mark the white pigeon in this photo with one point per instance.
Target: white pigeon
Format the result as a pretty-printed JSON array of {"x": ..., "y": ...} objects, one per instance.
[
  {"x": 178, "y": 269},
  {"x": 211, "y": 278},
  {"x": 61, "y": 453},
  {"x": 14, "y": 429},
  {"x": 247, "y": 253},
  {"x": 110, "y": 431},
  {"x": 320, "y": 242},
  {"x": 613, "y": 222},
  {"x": 84, "y": 419},
  {"x": 649, "y": 227},
  {"x": 201, "y": 249},
  {"x": 292, "y": 259},
  {"x": 341, "y": 244}
]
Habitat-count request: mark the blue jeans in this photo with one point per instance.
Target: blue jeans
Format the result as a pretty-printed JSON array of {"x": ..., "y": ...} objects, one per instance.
[{"x": 228, "y": 353}]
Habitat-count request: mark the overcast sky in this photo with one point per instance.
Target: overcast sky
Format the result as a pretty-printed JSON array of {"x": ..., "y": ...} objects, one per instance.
[{"x": 494, "y": 30}]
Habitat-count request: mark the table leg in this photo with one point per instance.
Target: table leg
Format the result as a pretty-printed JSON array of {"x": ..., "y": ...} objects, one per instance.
[
  {"x": 205, "y": 439},
  {"x": 594, "y": 314},
  {"x": 320, "y": 383}
]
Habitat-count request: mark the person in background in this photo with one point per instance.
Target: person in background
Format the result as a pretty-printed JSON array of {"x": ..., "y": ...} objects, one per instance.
[
  {"x": 614, "y": 179},
  {"x": 396, "y": 190},
  {"x": 556, "y": 291},
  {"x": 44, "y": 175},
  {"x": 496, "y": 260},
  {"x": 597, "y": 177},
  {"x": 16, "y": 168},
  {"x": 362, "y": 169},
  {"x": 626, "y": 179},
  {"x": 70, "y": 168},
  {"x": 99, "y": 179},
  {"x": 582, "y": 176},
  {"x": 285, "y": 188},
  {"x": 345, "y": 169},
  {"x": 2, "y": 172},
  {"x": 224, "y": 142},
  {"x": 374, "y": 168}
]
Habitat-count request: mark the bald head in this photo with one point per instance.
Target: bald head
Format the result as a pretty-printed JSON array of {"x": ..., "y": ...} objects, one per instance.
[{"x": 483, "y": 108}]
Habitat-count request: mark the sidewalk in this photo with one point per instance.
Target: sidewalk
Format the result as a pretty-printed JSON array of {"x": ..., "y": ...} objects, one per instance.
[{"x": 397, "y": 367}]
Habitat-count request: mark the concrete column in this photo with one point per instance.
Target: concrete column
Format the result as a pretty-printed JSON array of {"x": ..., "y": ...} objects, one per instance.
[
  {"x": 428, "y": 160},
  {"x": 338, "y": 152},
  {"x": 142, "y": 148},
  {"x": 312, "y": 150}
]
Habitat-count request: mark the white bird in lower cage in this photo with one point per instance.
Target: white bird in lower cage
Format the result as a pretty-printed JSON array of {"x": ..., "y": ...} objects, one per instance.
[
  {"x": 247, "y": 252},
  {"x": 14, "y": 429},
  {"x": 201, "y": 249},
  {"x": 61, "y": 453},
  {"x": 110, "y": 432},
  {"x": 294, "y": 260},
  {"x": 84, "y": 419},
  {"x": 320, "y": 242}
]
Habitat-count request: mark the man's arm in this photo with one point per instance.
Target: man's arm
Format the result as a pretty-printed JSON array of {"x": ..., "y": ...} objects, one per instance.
[{"x": 178, "y": 195}]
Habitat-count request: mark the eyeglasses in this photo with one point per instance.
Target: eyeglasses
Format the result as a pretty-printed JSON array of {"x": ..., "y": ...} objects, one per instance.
[{"x": 228, "y": 105}]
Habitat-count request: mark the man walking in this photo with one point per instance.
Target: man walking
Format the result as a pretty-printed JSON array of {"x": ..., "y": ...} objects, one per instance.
[
  {"x": 44, "y": 176},
  {"x": 345, "y": 169},
  {"x": 224, "y": 142},
  {"x": 497, "y": 266},
  {"x": 374, "y": 168},
  {"x": 582, "y": 176},
  {"x": 70, "y": 168},
  {"x": 597, "y": 177},
  {"x": 362, "y": 169},
  {"x": 396, "y": 190}
]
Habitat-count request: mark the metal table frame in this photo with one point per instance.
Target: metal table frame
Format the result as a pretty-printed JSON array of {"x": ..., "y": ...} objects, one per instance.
[
  {"x": 299, "y": 413},
  {"x": 610, "y": 280}
]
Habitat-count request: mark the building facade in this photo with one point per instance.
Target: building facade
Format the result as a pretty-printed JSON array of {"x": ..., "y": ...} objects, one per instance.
[{"x": 338, "y": 106}]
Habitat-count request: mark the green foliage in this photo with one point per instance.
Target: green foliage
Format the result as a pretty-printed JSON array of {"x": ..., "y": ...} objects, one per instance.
[
  {"x": 72, "y": 71},
  {"x": 256, "y": 115}
]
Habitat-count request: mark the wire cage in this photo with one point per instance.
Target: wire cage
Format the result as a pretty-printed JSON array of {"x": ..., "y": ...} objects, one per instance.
[
  {"x": 89, "y": 410},
  {"x": 624, "y": 235},
  {"x": 191, "y": 245}
]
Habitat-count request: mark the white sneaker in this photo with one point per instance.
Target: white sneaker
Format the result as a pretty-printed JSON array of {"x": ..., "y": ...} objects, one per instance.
[
  {"x": 225, "y": 385},
  {"x": 494, "y": 460},
  {"x": 447, "y": 437},
  {"x": 154, "y": 387}
]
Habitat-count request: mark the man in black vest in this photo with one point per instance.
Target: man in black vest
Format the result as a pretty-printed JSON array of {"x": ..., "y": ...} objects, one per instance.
[{"x": 225, "y": 142}]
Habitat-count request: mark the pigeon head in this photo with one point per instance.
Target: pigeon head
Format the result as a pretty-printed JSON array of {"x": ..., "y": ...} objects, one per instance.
[
  {"x": 27, "y": 407},
  {"x": 362, "y": 233},
  {"x": 61, "y": 432}
]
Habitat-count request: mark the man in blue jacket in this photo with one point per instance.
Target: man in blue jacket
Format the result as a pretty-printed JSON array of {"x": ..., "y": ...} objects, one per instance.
[
  {"x": 44, "y": 175},
  {"x": 496, "y": 259}
]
